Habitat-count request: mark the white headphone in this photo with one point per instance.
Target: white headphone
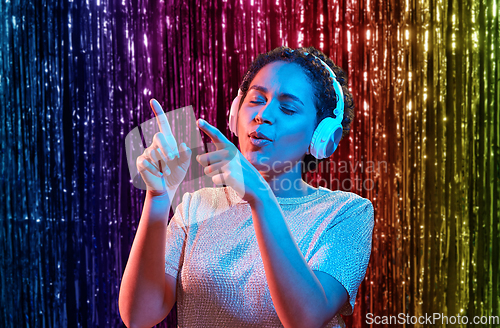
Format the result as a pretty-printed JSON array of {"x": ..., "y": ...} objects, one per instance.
[{"x": 326, "y": 137}]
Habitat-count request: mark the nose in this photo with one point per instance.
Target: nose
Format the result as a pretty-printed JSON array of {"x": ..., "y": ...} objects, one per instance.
[{"x": 265, "y": 114}]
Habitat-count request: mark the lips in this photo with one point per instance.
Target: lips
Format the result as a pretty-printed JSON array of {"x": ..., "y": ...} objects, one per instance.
[{"x": 259, "y": 135}]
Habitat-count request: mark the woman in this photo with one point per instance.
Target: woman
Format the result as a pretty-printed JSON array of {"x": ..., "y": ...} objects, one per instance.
[{"x": 267, "y": 249}]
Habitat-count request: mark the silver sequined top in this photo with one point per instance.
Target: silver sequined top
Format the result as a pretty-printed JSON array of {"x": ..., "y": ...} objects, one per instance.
[{"x": 211, "y": 241}]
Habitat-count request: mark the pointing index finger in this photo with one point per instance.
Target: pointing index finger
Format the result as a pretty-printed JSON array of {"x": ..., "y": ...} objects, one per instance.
[
  {"x": 214, "y": 133},
  {"x": 161, "y": 118}
]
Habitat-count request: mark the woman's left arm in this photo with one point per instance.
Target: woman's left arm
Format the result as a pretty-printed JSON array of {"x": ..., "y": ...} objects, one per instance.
[{"x": 302, "y": 297}]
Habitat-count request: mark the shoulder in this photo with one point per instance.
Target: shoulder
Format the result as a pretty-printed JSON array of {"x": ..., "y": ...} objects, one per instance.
[
  {"x": 348, "y": 196},
  {"x": 346, "y": 199},
  {"x": 350, "y": 206}
]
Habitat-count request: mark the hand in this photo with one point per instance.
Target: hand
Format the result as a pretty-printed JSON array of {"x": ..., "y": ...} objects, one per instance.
[
  {"x": 228, "y": 166},
  {"x": 163, "y": 173}
]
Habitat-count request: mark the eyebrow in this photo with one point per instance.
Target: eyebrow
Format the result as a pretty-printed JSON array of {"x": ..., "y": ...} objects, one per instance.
[{"x": 284, "y": 94}]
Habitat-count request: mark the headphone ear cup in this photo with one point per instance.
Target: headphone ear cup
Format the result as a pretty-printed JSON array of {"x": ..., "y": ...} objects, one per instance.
[
  {"x": 334, "y": 141},
  {"x": 233, "y": 115},
  {"x": 326, "y": 138}
]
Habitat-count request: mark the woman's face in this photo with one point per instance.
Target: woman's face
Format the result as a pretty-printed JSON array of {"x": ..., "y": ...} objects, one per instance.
[{"x": 278, "y": 104}]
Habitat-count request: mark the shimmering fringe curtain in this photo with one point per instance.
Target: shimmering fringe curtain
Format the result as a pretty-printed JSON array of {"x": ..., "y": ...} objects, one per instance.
[{"x": 76, "y": 77}]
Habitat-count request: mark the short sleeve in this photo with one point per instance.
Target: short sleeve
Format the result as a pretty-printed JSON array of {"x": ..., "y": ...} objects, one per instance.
[
  {"x": 176, "y": 236},
  {"x": 343, "y": 249}
]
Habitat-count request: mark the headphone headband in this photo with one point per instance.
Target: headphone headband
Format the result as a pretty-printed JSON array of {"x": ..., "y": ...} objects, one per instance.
[{"x": 339, "y": 110}]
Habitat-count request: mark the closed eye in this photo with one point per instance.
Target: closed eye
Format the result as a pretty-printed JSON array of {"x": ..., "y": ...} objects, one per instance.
[
  {"x": 284, "y": 109},
  {"x": 287, "y": 111}
]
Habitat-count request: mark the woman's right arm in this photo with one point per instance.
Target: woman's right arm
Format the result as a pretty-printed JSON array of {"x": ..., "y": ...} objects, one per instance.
[{"x": 147, "y": 293}]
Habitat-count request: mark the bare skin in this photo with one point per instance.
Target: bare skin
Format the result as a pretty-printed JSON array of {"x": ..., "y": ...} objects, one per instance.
[{"x": 302, "y": 297}]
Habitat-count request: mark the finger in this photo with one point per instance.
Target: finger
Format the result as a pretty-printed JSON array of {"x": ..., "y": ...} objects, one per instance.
[
  {"x": 162, "y": 163},
  {"x": 172, "y": 145},
  {"x": 212, "y": 170},
  {"x": 167, "y": 144},
  {"x": 185, "y": 153},
  {"x": 150, "y": 155},
  {"x": 144, "y": 165},
  {"x": 220, "y": 179},
  {"x": 160, "y": 141},
  {"x": 155, "y": 157},
  {"x": 161, "y": 118},
  {"x": 212, "y": 157},
  {"x": 217, "y": 137}
]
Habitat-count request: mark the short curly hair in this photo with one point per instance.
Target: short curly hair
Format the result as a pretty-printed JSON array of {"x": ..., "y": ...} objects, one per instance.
[{"x": 325, "y": 98}]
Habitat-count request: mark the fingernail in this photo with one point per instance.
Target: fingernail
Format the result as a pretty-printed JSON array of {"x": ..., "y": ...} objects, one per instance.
[
  {"x": 153, "y": 102},
  {"x": 170, "y": 156},
  {"x": 201, "y": 122},
  {"x": 161, "y": 174}
]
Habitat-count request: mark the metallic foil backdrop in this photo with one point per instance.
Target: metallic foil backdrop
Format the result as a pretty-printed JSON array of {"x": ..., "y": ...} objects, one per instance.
[{"x": 77, "y": 76}]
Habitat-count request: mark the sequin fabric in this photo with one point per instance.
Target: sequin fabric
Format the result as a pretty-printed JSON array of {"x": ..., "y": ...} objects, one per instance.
[{"x": 212, "y": 251}]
